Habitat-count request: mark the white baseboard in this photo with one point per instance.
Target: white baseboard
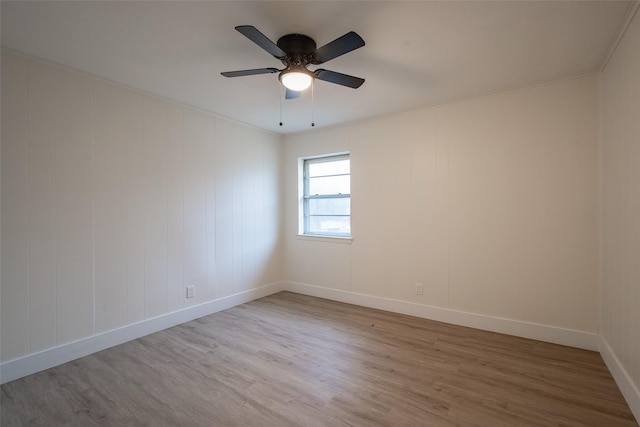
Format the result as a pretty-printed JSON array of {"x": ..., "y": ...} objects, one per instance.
[
  {"x": 552, "y": 334},
  {"x": 625, "y": 383},
  {"x": 49, "y": 358},
  {"x": 30, "y": 364}
]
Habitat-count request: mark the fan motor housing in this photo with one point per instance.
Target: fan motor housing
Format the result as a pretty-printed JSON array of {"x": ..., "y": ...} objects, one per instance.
[{"x": 297, "y": 44}]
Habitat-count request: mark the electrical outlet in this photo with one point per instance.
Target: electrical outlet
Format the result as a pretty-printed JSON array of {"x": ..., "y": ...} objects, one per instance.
[
  {"x": 419, "y": 290},
  {"x": 191, "y": 291}
]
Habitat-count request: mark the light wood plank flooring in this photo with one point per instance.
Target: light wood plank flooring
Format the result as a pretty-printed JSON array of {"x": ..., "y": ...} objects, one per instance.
[{"x": 290, "y": 359}]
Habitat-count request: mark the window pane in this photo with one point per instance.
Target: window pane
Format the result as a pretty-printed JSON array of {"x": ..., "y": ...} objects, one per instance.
[
  {"x": 330, "y": 185},
  {"x": 332, "y": 225},
  {"x": 329, "y": 168},
  {"x": 330, "y": 206}
]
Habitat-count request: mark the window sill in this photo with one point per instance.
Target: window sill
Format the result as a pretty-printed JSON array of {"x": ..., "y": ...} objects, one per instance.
[{"x": 327, "y": 239}]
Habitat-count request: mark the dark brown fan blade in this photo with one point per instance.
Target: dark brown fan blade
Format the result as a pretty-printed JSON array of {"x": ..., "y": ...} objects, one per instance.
[
  {"x": 340, "y": 46},
  {"x": 253, "y": 72},
  {"x": 339, "y": 78},
  {"x": 291, "y": 94},
  {"x": 252, "y": 33}
]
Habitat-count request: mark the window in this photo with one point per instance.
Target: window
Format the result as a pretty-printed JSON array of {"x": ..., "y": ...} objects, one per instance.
[{"x": 327, "y": 196}]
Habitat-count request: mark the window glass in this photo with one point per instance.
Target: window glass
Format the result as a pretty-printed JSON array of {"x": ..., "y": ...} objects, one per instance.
[
  {"x": 330, "y": 185},
  {"x": 330, "y": 225},
  {"x": 336, "y": 167},
  {"x": 329, "y": 206}
]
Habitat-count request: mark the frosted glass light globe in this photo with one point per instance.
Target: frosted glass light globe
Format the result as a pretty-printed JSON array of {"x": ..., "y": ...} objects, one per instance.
[{"x": 296, "y": 81}]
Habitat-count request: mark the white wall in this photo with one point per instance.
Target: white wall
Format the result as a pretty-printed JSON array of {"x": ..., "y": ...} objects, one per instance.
[
  {"x": 491, "y": 203},
  {"x": 621, "y": 214},
  {"x": 113, "y": 201}
]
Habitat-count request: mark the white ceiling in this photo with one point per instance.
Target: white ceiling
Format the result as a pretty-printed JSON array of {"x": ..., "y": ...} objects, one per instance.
[{"x": 417, "y": 53}]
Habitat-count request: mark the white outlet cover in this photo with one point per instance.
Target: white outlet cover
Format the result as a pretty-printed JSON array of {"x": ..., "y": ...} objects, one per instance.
[{"x": 191, "y": 291}]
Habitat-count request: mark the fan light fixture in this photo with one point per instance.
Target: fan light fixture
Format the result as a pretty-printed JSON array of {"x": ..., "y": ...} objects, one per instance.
[
  {"x": 296, "y": 52},
  {"x": 296, "y": 80}
]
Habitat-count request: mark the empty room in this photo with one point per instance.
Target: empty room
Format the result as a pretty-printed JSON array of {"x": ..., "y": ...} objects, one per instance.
[{"x": 320, "y": 213}]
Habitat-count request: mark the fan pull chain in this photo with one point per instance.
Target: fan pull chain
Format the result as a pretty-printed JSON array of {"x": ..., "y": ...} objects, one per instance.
[
  {"x": 280, "y": 98},
  {"x": 312, "y": 100}
]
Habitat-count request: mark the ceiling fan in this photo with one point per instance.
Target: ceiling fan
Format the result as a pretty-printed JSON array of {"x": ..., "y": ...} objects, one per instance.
[{"x": 297, "y": 52}]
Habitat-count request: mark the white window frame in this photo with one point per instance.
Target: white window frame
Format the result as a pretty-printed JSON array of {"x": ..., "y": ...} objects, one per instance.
[{"x": 304, "y": 197}]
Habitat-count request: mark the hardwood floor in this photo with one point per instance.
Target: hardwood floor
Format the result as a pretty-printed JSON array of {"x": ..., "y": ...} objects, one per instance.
[{"x": 290, "y": 359}]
